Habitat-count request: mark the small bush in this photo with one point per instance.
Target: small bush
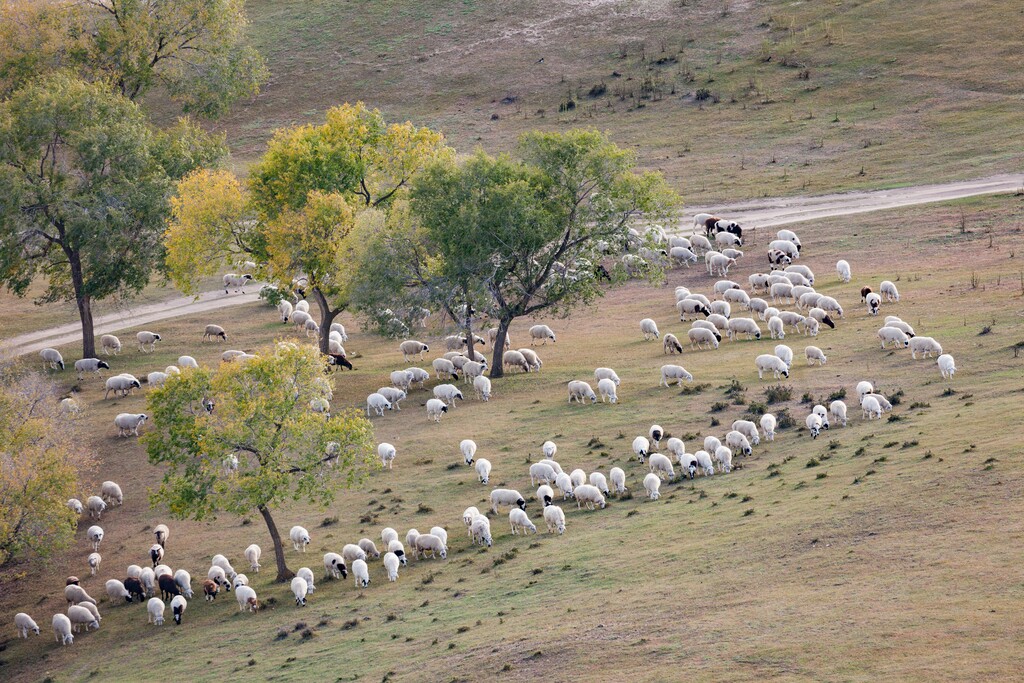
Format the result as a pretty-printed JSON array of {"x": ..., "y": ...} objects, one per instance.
[
  {"x": 909, "y": 444},
  {"x": 597, "y": 91},
  {"x": 813, "y": 462},
  {"x": 734, "y": 387},
  {"x": 329, "y": 521},
  {"x": 894, "y": 418},
  {"x": 807, "y": 398},
  {"x": 757, "y": 409},
  {"x": 422, "y": 509},
  {"x": 859, "y": 451},
  {"x": 702, "y": 94},
  {"x": 777, "y": 394},
  {"x": 833, "y": 445},
  {"x": 691, "y": 389},
  {"x": 784, "y": 420},
  {"x": 718, "y": 407},
  {"x": 919, "y": 404},
  {"x": 715, "y": 422},
  {"x": 948, "y": 392},
  {"x": 837, "y": 395}
]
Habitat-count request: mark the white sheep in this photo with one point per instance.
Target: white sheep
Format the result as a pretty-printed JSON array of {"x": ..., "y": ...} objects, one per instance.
[
  {"x": 75, "y": 504},
  {"x": 252, "y": 555},
  {"x": 564, "y": 484},
  {"x": 744, "y": 326},
  {"x": 391, "y": 563},
  {"x": 641, "y": 447},
  {"x": 737, "y": 441},
  {"x": 468, "y": 448},
  {"x": 925, "y": 346},
  {"x": 24, "y": 624},
  {"x": 606, "y": 373},
  {"x": 814, "y": 424},
  {"x": 589, "y": 495},
  {"x": 723, "y": 454},
  {"x": 652, "y": 484},
  {"x": 481, "y": 531},
  {"x": 813, "y": 353},
  {"x": 155, "y": 612},
  {"x": 184, "y": 582},
  {"x": 776, "y": 328},
  {"x": 483, "y": 470},
  {"x": 128, "y": 423},
  {"x": 897, "y": 337},
  {"x": 147, "y": 341},
  {"x": 660, "y": 464},
  {"x": 889, "y": 291},
  {"x": 579, "y": 390},
  {"x": 387, "y": 454},
  {"x": 509, "y": 497},
  {"x": 378, "y": 404},
  {"x": 597, "y": 479},
  {"x": 246, "y": 598},
  {"x": 121, "y": 384},
  {"x": 178, "y": 605},
  {"x": 674, "y": 373},
  {"x": 675, "y": 446},
  {"x": 863, "y": 389},
  {"x": 299, "y": 590},
  {"x": 95, "y": 535},
  {"x": 790, "y": 236},
  {"x": 649, "y": 328},
  {"x": 520, "y": 521},
  {"x": 554, "y": 517},
  {"x": 213, "y": 332},
  {"x": 577, "y": 477},
  {"x": 482, "y": 388},
  {"x": 606, "y": 388},
  {"x": 412, "y": 347},
  {"x": 110, "y": 344},
  {"x": 541, "y": 333},
  {"x": 682, "y": 254},
  {"x": 116, "y": 590},
  {"x": 767, "y": 362},
  {"x": 873, "y": 303},
  {"x": 870, "y": 407},
  {"x": 843, "y": 270},
  {"x": 838, "y": 410},
  {"x": 334, "y": 565},
  {"x": 947, "y": 366},
  {"x": 747, "y": 429},
  {"x": 429, "y": 543},
  {"x": 62, "y": 629},
  {"x": 711, "y": 443},
  {"x": 300, "y": 538},
  {"x": 543, "y": 472},
  {"x": 93, "y": 365},
  {"x": 435, "y": 408},
  {"x": 700, "y": 336},
  {"x": 111, "y": 494},
  {"x": 448, "y": 393},
  {"x": 704, "y": 463},
  {"x": 302, "y": 305}
]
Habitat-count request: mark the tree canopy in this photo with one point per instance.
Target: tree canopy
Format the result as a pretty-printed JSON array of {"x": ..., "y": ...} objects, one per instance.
[
  {"x": 84, "y": 188},
  {"x": 285, "y": 450}
]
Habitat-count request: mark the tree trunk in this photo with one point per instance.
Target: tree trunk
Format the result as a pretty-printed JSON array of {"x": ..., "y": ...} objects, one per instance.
[
  {"x": 283, "y": 573},
  {"x": 469, "y": 327},
  {"x": 84, "y": 303},
  {"x": 327, "y": 317},
  {"x": 498, "y": 368}
]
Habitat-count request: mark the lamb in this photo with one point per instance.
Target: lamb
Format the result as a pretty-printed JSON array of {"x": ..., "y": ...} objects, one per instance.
[
  {"x": 334, "y": 565},
  {"x": 62, "y": 629},
  {"x": 448, "y": 393},
  {"x": 652, "y": 484},
  {"x": 838, "y": 411},
  {"x": 776, "y": 365},
  {"x": 502, "y": 497},
  {"x": 641, "y": 446},
  {"x": 606, "y": 373},
  {"x": 435, "y": 408},
  {"x": 147, "y": 341},
  {"x": 676, "y": 373},
  {"x": 386, "y": 452},
  {"x": 411, "y": 347},
  {"x": 520, "y": 521},
  {"x": 483, "y": 470},
  {"x": 897, "y": 337},
  {"x": 660, "y": 464},
  {"x": 95, "y": 535},
  {"x": 80, "y": 616},
  {"x": 111, "y": 494},
  {"x": 212, "y": 332},
  {"x": 24, "y": 624},
  {"x": 925, "y": 346},
  {"x": 110, "y": 344},
  {"x": 299, "y": 590},
  {"x": 121, "y": 384},
  {"x": 481, "y": 531},
  {"x": 75, "y": 504},
  {"x": 737, "y": 441},
  {"x": 873, "y": 302},
  {"x": 843, "y": 270},
  {"x": 744, "y": 326},
  {"x": 246, "y": 598},
  {"x": 618, "y": 478},
  {"x": 377, "y": 403},
  {"x": 300, "y": 538},
  {"x": 128, "y": 423},
  {"x": 597, "y": 479},
  {"x": 947, "y": 366},
  {"x": 813, "y": 353},
  {"x": 589, "y": 495},
  {"x": 606, "y": 388},
  {"x": 235, "y": 280},
  {"x": 889, "y": 291},
  {"x": 94, "y": 563},
  {"x": 554, "y": 517},
  {"x": 541, "y": 471},
  {"x": 700, "y": 336},
  {"x": 210, "y": 590},
  {"x": 429, "y": 543},
  {"x": 724, "y": 457},
  {"x": 579, "y": 390}
]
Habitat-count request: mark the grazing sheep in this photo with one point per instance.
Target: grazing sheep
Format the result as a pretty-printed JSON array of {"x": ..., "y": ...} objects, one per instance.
[
  {"x": 492, "y": 336},
  {"x": 62, "y": 629},
  {"x": 481, "y": 531},
  {"x": 378, "y": 404},
  {"x": 577, "y": 477},
  {"x": 843, "y": 270},
  {"x": 483, "y": 470},
  {"x": 299, "y": 590},
  {"x": 606, "y": 388},
  {"x": 435, "y": 408},
  {"x": 111, "y": 494},
  {"x": 210, "y": 590},
  {"x": 246, "y": 598},
  {"x": 212, "y": 332},
  {"x": 482, "y": 388},
  {"x": 252, "y": 555},
  {"x": 94, "y": 563},
  {"x": 699, "y": 336},
  {"x": 720, "y": 308},
  {"x": 889, "y": 291},
  {"x": 776, "y": 328},
  {"x": 649, "y": 328},
  {"x": 184, "y": 582},
  {"x": 786, "y": 247},
  {"x": 813, "y": 353},
  {"x": 821, "y": 316},
  {"x": 334, "y": 565},
  {"x": 660, "y": 464},
  {"x": 541, "y": 471},
  {"x": 520, "y": 521},
  {"x": 863, "y": 389},
  {"x": 618, "y": 479},
  {"x": 724, "y": 457},
  {"x": 768, "y": 424},
  {"x": 737, "y": 441},
  {"x": 554, "y": 517},
  {"x": 692, "y": 307},
  {"x": 744, "y": 326},
  {"x": 541, "y": 333},
  {"x": 776, "y": 365},
  {"x": 870, "y": 407},
  {"x": 590, "y": 496},
  {"x": 147, "y": 341},
  {"x": 683, "y": 255},
  {"x": 597, "y": 479},
  {"x": 676, "y": 447},
  {"x": 300, "y": 538},
  {"x": 110, "y": 344},
  {"x": 24, "y": 624},
  {"x": 873, "y": 302},
  {"x": 897, "y": 337},
  {"x": 75, "y": 504},
  {"x": 508, "y": 497},
  {"x": 704, "y": 463},
  {"x": 93, "y": 365},
  {"x": 676, "y": 373},
  {"x": 128, "y": 423},
  {"x": 790, "y": 236},
  {"x": 411, "y": 347},
  {"x": 368, "y": 547},
  {"x": 947, "y": 366},
  {"x": 925, "y": 346},
  {"x": 387, "y": 453},
  {"x": 95, "y": 535},
  {"x": 448, "y": 393},
  {"x": 656, "y": 433},
  {"x": 747, "y": 429},
  {"x": 178, "y": 605},
  {"x": 838, "y": 411},
  {"x": 545, "y": 494},
  {"x": 121, "y": 384},
  {"x": 428, "y": 543},
  {"x": 187, "y": 362},
  {"x": 830, "y": 305},
  {"x": 579, "y": 390},
  {"x": 605, "y": 373},
  {"x": 391, "y": 563},
  {"x": 652, "y": 484},
  {"x": 468, "y": 448},
  {"x": 700, "y": 243},
  {"x": 116, "y": 590}
]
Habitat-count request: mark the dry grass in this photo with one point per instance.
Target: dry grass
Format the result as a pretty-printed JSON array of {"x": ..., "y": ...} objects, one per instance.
[
  {"x": 801, "y": 97},
  {"x": 886, "y": 569}
]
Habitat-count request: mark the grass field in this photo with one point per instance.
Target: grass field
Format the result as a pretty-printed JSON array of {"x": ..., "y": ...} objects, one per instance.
[
  {"x": 731, "y": 99},
  {"x": 882, "y": 551}
]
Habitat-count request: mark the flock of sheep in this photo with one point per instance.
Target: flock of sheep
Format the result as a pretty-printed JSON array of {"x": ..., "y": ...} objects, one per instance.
[{"x": 785, "y": 284}]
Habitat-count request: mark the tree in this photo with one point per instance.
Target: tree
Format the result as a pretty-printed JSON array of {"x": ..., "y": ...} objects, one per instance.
[
  {"x": 528, "y": 230},
  {"x": 308, "y": 207},
  {"x": 84, "y": 184},
  {"x": 192, "y": 51},
  {"x": 262, "y": 417},
  {"x": 40, "y": 460}
]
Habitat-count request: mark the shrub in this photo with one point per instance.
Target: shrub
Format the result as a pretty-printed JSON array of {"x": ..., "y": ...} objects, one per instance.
[
  {"x": 777, "y": 394},
  {"x": 784, "y": 420},
  {"x": 837, "y": 395},
  {"x": 718, "y": 407},
  {"x": 757, "y": 409}
]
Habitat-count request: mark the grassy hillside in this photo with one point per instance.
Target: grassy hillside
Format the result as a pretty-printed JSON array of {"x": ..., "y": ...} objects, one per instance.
[
  {"x": 880, "y": 551},
  {"x": 798, "y": 97}
]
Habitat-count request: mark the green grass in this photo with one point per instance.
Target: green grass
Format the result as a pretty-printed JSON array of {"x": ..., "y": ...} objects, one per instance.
[
  {"x": 804, "y": 97},
  {"x": 828, "y": 573}
]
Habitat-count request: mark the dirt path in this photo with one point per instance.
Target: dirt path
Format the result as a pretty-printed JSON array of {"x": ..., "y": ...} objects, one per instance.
[{"x": 762, "y": 213}]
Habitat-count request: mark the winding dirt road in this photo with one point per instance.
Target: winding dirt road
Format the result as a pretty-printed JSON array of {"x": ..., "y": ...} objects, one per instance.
[{"x": 761, "y": 213}]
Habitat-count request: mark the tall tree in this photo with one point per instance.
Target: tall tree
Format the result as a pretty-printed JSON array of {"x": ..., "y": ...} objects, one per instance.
[
  {"x": 314, "y": 196},
  {"x": 528, "y": 230},
  {"x": 84, "y": 184},
  {"x": 193, "y": 51},
  {"x": 285, "y": 451},
  {"x": 40, "y": 461}
]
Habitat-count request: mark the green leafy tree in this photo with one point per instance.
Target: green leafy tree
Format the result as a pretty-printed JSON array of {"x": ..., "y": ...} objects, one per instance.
[
  {"x": 84, "y": 187},
  {"x": 285, "y": 450},
  {"x": 40, "y": 461}
]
